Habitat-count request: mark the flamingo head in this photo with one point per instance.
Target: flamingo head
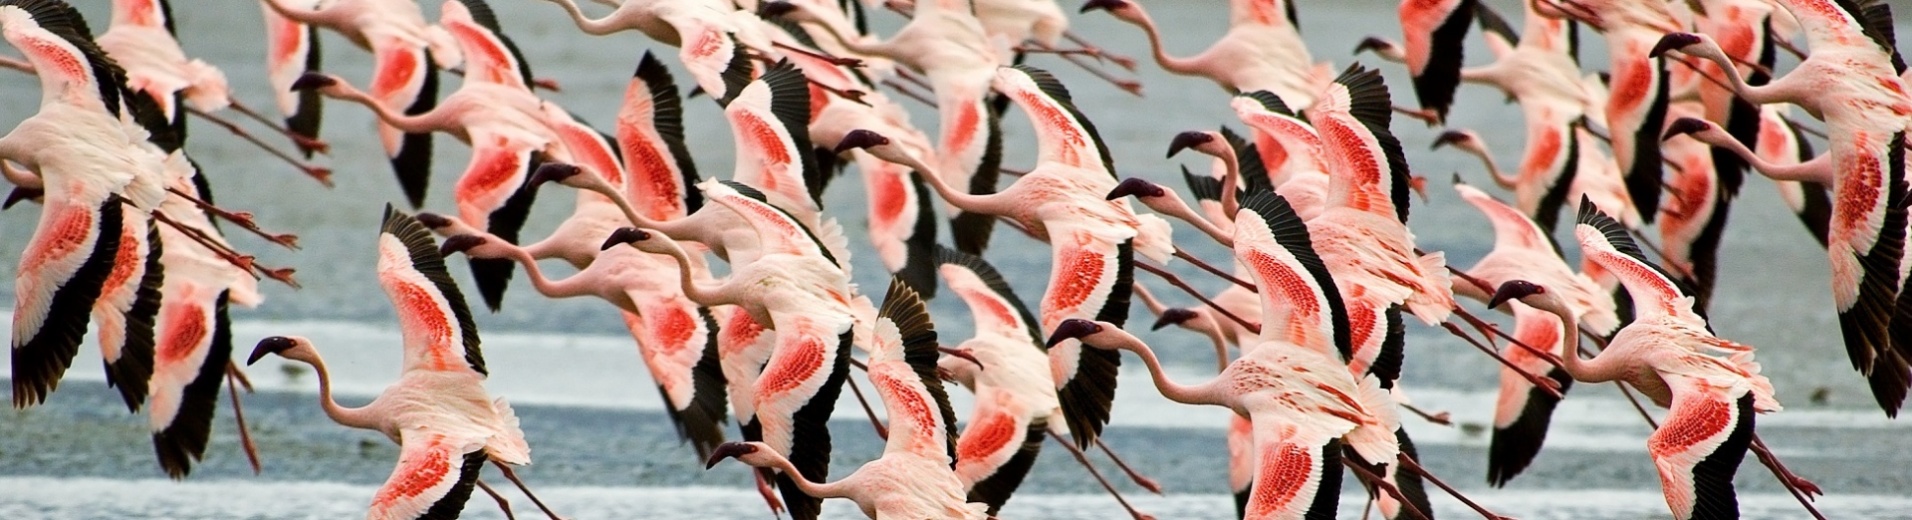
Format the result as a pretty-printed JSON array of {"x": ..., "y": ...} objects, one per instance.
[
  {"x": 1687, "y": 125},
  {"x": 861, "y": 139},
  {"x": 1173, "y": 316},
  {"x": 1210, "y": 143},
  {"x": 753, "y": 453},
  {"x": 1377, "y": 45},
  {"x": 1462, "y": 139},
  {"x": 289, "y": 347},
  {"x": 1074, "y": 328},
  {"x": 475, "y": 246},
  {"x": 780, "y": 9},
  {"x": 446, "y": 226},
  {"x": 1138, "y": 187},
  {"x": 326, "y": 84},
  {"x": 1516, "y": 290},
  {"x": 1122, "y": 9},
  {"x": 1679, "y": 41},
  {"x": 22, "y": 194},
  {"x": 646, "y": 240}
]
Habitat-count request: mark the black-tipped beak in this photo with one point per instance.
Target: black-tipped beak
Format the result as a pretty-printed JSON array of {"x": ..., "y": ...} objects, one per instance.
[
  {"x": 21, "y": 194},
  {"x": 963, "y": 354},
  {"x": 860, "y": 138},
  {"x": 459, "y": 244},
  {"x": 1137, "y": 187},
  {"x": 1188, "y": 140},
  {"x": 312, "y": 81},
  {"x": 624, "y": 235},
  {"x": 1673, "y": 41},
  {"x": 770, "y": 10},
  {"x": 1072, "y": 328},
  {"x": 1449, "y": 138},
  {"x": 1174, "y": 316},
  {"x": 1684, "y": 126},
  {"x": 1513, "y": 290},
  {"x": 554, "y": 172},
  {"x": 1372, "y": 43},
  {"x": 1109, "y": 5},
  {"x": 728, "y": 450},
  {"x": 272, "y": 345},
  {"x": 433, "y": 220}
]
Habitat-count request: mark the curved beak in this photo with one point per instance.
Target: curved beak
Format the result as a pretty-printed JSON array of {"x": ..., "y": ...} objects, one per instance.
[
  {"x": 1137, "y": 187},
  {"x": 1510, "y": 290},
  {"x": 1188, "y": 140},
  {"x": 860, "y": 138},
  {"x": 728, "y": 450},
  {"x": 772, "y": 10},
  {"x": 459, "y": 244},
  {"x": 1673, "y": 41},
  {"x": 312, "y": 81},
  {"x": 1172, "y": 316},
  {"x": 1109, "y": 5},
  {"x": 1072, "y": 328},
  {"x": 624, "y": 235},
  {"x": 271, "y": 345},
  {"x": 1449, "y": 138},
  {"x": 553, "y": 172},
  {"x": 433, "y": 220},
  {"x": 1684, "y": 126}
]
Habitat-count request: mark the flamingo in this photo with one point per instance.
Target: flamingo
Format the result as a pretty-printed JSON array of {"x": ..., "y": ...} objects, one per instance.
[
  {"x": 1262, "y": 49},
  {"x": 438, "y": 412},
  {"x": 1434, "y": 30},
  {"x": 1094, "y": 239},
  {"x": 798, "y": 290},
  {"x": 1852, "y": 81},
  {"x": 1711, "y": 385},
  {"x": 510, "y": 129},
  {"x": 1291, "y": 384},
  {"x": 194, "y": 334},
  {"x": 407, "y": 51},
  {"x": 1780, "y": 149},
  {"x": 80, "y": 264},
  {"x": 1693, "y": 220},
  {"x": 1636, "y": 109},
  {"x": 913, "y": 478},
  {"x": 701, "y": 30},
  {"x": 1523, "y": 251}
]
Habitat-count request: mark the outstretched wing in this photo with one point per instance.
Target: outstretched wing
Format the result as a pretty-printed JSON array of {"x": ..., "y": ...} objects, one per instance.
[
  {"x": 770, "y": 121},
  {"x": 650, "y": 133},
  {"x": 1299, "y": 301},
  {"x": 55, "y": 39},
  {"x": 1063, "y": 134},
  {"x": 1090, "y": 278},
  {"x": 1369, "y": 170},
  {"x": 1512, "y": 230},
  {"x": 678, "y": 340},
  {"x": 1607, "y": 243},
  {"x": 435, "y": 475},
  {"x": 1297, "y": 472},
  {"x": 1434, "y": 33},
  {"x": 62, "y": 272},
  {"x": 1699, "y": 446},
  {"x": 437, "y": 326},
  {"x": 991, "y": 300},
  {"x": 903, "y": 370},
  {"x": 489, "y": 56}
]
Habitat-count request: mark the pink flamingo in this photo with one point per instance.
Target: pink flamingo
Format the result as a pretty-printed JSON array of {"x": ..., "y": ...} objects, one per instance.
[
  {"x": 407, "y": 51},
  {"x": 1781, "y": 149},
  {"x": 913, "y": 478},
  {"x": 797, "y": 289},
  {"x": 702, "y": 31},
  {"x": 1851, "y": 80},
  {"x": 80, "y": 264},
  {"x": 1261, "y": 51},
  {"x": 1434, "y": 30},
  {"x": 1711, "y": 385},
  {"x": 438, "y": 412}
]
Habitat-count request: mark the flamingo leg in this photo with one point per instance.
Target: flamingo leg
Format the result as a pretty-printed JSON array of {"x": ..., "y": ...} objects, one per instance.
[
  {"x": 1197, "y": 262},
  {"x": 1443, "y": 418},
  {"x": 319, "y": 173},
  {"x": 234, "y": 380},
  {"x": 840, "y": 62},
  {"x": 1409, "y": 464},
  {"x": 1375, "y": 481},
  {"x": 1145, "y": 482},
  {"x": 1548, "y": 384},
  {"x": 1130, "y": 86},
  {"x": 308, "y": 144},
  {"x": 914, "y": 79},
  {"x": 243, "y": 262},
  {"x": 513, "y": 477},
  {"x": 1084, "y": 459},
  {"x": 537, "y": 83},
  {"x": 1120, "y": 60},
  {"x": 881, "y": 431},
  {"x": 908, "y": 92},
  {"x": 769, "y": 494},
  {"x": 1426, "y": 116},
  {"x": 503, "y": 505},
  {"x": 238, "y": 218},
  {"x": 1489, "y": 328},
  {"x": 1177, "y": 281}
]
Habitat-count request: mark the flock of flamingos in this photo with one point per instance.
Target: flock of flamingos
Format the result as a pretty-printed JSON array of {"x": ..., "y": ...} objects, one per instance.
[{"x": 1312, "y": 200}]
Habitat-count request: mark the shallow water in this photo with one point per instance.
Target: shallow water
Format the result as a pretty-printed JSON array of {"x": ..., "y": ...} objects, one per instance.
[{"x": 603, "y": 450}]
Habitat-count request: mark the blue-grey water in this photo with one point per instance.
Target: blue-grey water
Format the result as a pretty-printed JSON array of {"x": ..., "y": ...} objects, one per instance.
[{"x": 604, "y": 450}]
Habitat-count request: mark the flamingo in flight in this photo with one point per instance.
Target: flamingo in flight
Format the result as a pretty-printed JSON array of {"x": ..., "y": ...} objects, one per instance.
[
  {"x": 1711, "y": 385},
  {"x": 88, "y": 258},
  {"x": 142, "y": 40},
  {"x": 1016, "y": 401},
  {"x": 1291, "y": 384},
  {"x": 1636, "y": 108},
  {"x": 193, "y": 346},
  {"x": 797, "y": 289},
  {"x": 438, "y": 412},
  {"x": 1852, "y": 81},
  {"x": 704, "y": 32},
  {"x": 1523, "y": 251},
  {"x": 913, "y": 478},
  {"x": 1262, "y": 49},
  {"x": 946, "y": 43},
  {"x": 510, "y": 129},
  {"x": 1434, "y": 31},
  {"x": 1094, "y": 239},
  {"x": 1781, "y": 147},
  {"x": 407, "y": 52}
]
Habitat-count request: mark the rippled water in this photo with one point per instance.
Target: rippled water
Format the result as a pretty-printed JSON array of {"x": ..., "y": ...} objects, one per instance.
[{"x": 590, "y": 409}]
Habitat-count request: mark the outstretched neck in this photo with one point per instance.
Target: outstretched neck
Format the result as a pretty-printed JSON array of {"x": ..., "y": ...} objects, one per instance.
[
  {"x": 961, "y": 199},
  {"x": 598, "y": 27},
  {"x": 815, "y": 489},
  {"x": 359, "y": 417},
  {"x": 1201, "y": 394},
  {"x": 319, "y": 16},
  {"x": 414, "y": 124},
  {"x": 1818, "y": 170},
  {"x": 1169, "y": 63},
  {"x": 697, "y": 292}
]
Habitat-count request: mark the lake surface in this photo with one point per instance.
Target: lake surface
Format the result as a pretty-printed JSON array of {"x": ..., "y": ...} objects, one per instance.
[{"x": 605, "y": 450}]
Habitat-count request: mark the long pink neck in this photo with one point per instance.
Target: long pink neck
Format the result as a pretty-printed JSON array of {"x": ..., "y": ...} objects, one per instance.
[
  {"x": 815, "y": 489},
  {"x": 408, "y": 123},
  {"x": 1169, "y": 63},
  {"x": 360, "y": 417},
  {"x": 1184, "y": 394}
]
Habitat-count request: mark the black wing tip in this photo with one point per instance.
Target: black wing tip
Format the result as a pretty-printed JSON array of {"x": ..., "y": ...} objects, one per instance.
[{"x": 1271, "y": 102}]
